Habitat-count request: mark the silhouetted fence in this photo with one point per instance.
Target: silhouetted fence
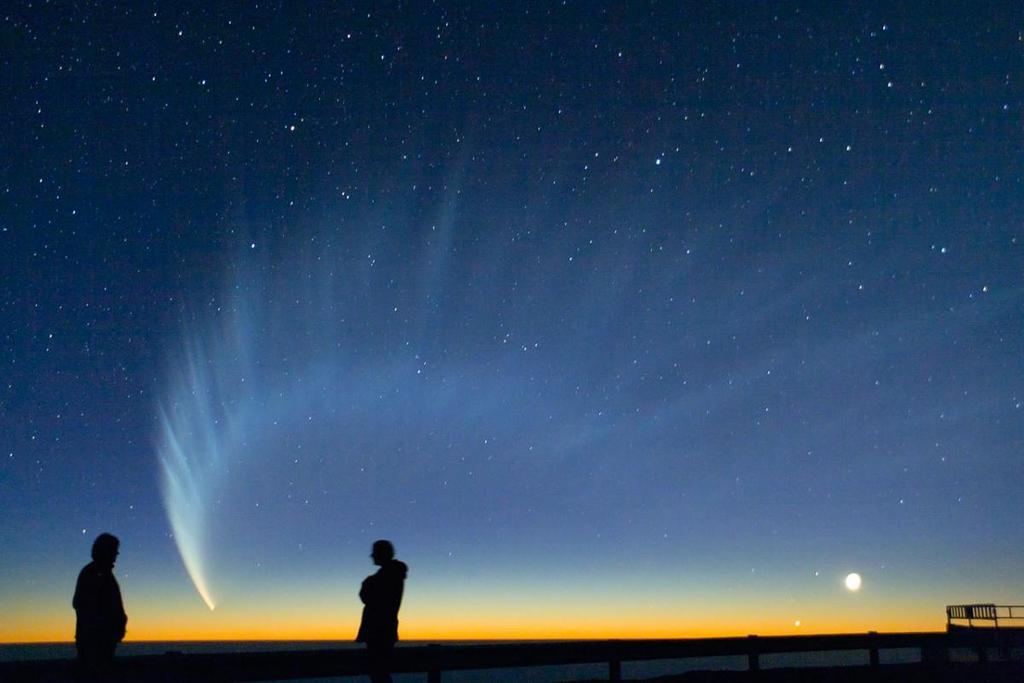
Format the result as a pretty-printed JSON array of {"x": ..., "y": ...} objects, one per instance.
[
  {"x": 1011, "y": 615},
  {"x": 433, "y": 660}
]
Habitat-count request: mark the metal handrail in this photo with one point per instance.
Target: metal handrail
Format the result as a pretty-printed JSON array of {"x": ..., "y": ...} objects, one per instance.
[
  {"x": 984, "y": 612},
  {"x": 435, "y": 659}
]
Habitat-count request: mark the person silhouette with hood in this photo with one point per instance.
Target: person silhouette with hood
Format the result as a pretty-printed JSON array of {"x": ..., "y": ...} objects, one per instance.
[
  {"x": 381, "y": 594},
  {"x": 99, "y": 612}
]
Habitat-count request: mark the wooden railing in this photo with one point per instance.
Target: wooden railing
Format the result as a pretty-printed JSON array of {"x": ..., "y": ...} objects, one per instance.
[
  {"x": 1011, "y": 615},
  {"x": 435, "y": 659}
]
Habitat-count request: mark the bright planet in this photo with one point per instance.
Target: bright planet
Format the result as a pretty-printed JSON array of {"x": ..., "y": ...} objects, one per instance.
[{"x": 853, "y": 581}]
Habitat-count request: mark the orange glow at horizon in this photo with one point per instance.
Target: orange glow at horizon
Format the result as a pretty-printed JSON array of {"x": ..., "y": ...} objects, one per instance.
[
  {"x": 53, "y": 628},
  {"x": 493, "y": 611}
]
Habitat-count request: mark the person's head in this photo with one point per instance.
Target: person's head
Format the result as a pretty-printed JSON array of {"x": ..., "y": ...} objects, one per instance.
[
  {"x": 105, "y": 549},
  {"x": 382, "y": 551}
]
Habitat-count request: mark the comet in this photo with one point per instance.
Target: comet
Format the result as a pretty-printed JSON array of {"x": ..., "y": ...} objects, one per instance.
[{"x": 191, "y": 453}]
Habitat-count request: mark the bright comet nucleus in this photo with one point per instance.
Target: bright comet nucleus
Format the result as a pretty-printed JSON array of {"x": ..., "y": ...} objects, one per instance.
[{"x": 853, "y": 581}]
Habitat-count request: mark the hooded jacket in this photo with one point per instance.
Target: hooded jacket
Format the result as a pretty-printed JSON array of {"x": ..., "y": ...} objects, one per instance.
[{"x": 381, "y": 594}]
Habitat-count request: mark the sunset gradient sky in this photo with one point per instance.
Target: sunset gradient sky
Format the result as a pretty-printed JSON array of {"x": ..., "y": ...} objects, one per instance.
[{"x": 618, "y": 319}]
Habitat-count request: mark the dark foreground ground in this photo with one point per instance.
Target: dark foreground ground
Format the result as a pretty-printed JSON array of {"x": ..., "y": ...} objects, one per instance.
[{"x": 994, "y": 672}]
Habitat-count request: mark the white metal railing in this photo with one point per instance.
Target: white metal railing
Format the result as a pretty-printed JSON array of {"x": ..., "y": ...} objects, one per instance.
[{"x": 1009, "y": 615}]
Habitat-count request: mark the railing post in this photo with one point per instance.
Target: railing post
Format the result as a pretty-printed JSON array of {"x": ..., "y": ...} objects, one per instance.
[
  {"x": 753, "y": 660},
  {"x": 873, "y": 650},
  {"x": 614, "y": 670},
  {"x": 434, "y": 674},
  {"x": 936, "y": 652},
  {"x": 614, "y": 652}
]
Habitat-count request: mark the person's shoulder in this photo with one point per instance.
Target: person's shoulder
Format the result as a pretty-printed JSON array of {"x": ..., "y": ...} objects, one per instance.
[
  {"x": 399, "y": 567},
  {"x": 87, "y": 578}
]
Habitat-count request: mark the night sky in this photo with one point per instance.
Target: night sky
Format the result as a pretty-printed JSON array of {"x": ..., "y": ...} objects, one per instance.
[{"x": 617, "y": 318}]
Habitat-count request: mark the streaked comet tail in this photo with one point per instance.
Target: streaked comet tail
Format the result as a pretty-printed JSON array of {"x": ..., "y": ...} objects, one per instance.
[{"x": 194, "y": 445}]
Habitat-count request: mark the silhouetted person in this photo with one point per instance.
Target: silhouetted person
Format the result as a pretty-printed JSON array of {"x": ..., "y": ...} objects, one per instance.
[
  {"x": 381, "y": 594},
  {"x": 100, "y": 618}
]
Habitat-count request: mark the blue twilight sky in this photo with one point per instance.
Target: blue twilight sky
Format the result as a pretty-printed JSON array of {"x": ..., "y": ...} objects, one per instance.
[{"x": 628, "y": 311}]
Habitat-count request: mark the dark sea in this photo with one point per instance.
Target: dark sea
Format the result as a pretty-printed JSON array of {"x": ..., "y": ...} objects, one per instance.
[{"x": 534, "y": 674}]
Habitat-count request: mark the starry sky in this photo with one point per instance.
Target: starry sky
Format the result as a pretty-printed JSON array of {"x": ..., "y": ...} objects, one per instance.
[{"x": 619, "y": 319}]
